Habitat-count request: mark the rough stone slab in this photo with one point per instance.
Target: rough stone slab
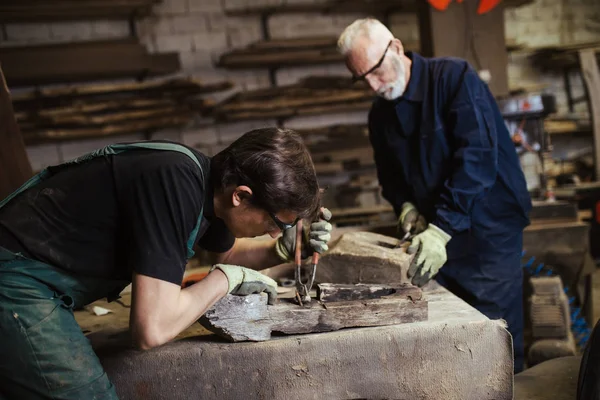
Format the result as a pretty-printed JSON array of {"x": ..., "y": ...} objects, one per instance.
[
  {"x": 364, "y": 257},
  {"x": 457, "y": 354}
]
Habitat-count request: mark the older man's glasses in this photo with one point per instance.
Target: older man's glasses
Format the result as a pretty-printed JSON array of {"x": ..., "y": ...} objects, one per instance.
[
  {"x": 282, "y": 225},
  {"x": 363, "y": 76}
]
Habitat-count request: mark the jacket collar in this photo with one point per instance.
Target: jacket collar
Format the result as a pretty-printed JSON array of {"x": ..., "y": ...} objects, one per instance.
[{"x": 417, "y": 83}]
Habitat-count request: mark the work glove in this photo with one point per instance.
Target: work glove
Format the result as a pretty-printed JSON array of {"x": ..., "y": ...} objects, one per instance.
[
  {"x": 410, "y": 220},
  {"x": 430, "y": 249},
  {"x": 245, "y": 281},
  {"x": 313, "y": 239}
]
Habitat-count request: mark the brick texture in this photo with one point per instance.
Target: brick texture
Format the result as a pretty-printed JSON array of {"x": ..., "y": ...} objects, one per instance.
[{"x": 200, "y": 31}]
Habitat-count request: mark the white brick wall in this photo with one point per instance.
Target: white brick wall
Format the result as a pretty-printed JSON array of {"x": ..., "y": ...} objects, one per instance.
[{"x": 200, "y": 31}]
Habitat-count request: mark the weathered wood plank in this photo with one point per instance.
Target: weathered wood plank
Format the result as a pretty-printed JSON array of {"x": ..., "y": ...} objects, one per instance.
[
  {"x": 310, "y": 96},
  {"x": 66, "y": 10},
  {"x": 84, "y": 61},
  {"x": 110, "y": 109},
  {"x": 330, "y": 292},
  {"x": 249, "y": 318}
]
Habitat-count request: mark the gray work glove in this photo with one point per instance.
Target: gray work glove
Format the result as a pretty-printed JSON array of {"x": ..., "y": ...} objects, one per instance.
[
  {"x": 245, "y": 281},
  {"x": 315, "y": 239},
  {"x": 410, "y": 220},
  {"x": 430, "y": 249}
]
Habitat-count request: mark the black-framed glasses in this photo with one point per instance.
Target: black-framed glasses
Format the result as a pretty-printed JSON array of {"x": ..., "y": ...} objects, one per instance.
[
  {"x": 363, "y": 76},
  {"x": 282, "y": 225}
]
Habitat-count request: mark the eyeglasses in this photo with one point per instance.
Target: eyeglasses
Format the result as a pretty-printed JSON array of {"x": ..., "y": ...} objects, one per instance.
[
  {"x": 363, "y": 76},
  {"x": 282, "y": 225}
]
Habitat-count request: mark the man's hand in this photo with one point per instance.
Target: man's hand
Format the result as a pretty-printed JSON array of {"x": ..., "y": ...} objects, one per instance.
[
  {"x": 316, "y": 240},
  {"x": 430, "y": 249},
  {"x": 245, "y": 281},
  {"x": 410, "y": 220}
]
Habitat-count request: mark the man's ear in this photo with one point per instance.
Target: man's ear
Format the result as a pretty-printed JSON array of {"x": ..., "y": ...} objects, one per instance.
[
  {"x": 397, "y": 46},
  {"x": 240, "y": 194}
]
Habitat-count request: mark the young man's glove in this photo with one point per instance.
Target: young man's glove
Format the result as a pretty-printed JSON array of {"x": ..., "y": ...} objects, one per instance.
[
  {"x": 315, "y": 239},
  {"x": 410, "y": 220},
  {"x": 245, "y": 281},
  {"x": 430, "y": 246}
]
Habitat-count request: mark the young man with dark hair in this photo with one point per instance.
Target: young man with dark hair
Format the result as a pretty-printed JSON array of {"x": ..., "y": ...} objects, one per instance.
[{"x": 132, "y": 213}]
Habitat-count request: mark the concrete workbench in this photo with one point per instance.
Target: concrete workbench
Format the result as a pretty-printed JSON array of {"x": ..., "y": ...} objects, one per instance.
[{"x": 457, "y": 354}]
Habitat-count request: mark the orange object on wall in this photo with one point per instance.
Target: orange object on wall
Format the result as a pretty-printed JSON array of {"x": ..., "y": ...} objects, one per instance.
[{"x": 484, "y": 5}]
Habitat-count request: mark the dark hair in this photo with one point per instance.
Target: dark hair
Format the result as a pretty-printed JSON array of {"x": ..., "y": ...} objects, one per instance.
[{"x": 276, "y": 165}]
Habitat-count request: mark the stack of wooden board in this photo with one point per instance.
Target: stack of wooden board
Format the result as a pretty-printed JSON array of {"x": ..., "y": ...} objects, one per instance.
[
  {"x": 327, "y": 6},
  {"x": 83, "y": 61},
  {"x": 110, "y": 109},
  {"x": 564, "y": 56},
  {"x": 60, "y": 10},
  {"x": 288, "y": 52},
  {"x": 310, "y": 96}
]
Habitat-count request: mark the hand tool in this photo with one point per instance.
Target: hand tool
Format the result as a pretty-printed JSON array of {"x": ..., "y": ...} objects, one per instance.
[
  {"x": 303, "y": 289},
  {"x": 405, "y": 237}
]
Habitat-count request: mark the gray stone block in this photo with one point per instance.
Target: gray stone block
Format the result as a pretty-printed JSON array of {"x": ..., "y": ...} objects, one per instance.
[{"x": 457, "y": 354}]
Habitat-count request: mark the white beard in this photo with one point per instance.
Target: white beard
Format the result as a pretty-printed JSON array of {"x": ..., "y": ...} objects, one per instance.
[{"x": 395, "y": 89}]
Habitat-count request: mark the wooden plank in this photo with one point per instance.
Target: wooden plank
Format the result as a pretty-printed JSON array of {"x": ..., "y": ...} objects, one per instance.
[
  {"x": 286, "y": 52},
  {"x": 591, "y": 77},
  {"x": 152, "y": 124},
  {"x": 67, "y": 10},
  {"x": 328, "y": 292},
  {"x": 310, "y": 96},
  {"x": 14, "y": 164},
  {"x": 459, "y": 31},
  {"x": 249, "y": 318},
  {"x": 335, "y": 6},
  {"x": 158, "y": 88},
  {"x": 84, "y": 61},
  {"x": 110, "y": 109}
]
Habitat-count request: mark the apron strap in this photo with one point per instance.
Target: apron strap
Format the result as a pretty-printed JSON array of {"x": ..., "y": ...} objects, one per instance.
[{"x": 112, "y": 150}]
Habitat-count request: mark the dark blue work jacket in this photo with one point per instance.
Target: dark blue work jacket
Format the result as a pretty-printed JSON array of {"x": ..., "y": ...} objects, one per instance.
[{"x": 444, "y": 146}]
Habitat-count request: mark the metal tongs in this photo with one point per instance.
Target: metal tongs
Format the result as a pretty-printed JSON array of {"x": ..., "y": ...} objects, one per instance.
[{"x": 303, "y": 289}]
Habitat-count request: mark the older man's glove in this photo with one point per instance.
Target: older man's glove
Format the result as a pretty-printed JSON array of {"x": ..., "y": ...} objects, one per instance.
[
  {"x": 430, "y": 249},
  {"x": 314, "y": 239},
  {"x": 245, "y": 281},
  {"x": 410, "y": 220}
]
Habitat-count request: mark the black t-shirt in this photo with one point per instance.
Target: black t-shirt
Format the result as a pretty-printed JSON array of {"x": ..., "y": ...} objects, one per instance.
[{"x": 115, "y": 214}]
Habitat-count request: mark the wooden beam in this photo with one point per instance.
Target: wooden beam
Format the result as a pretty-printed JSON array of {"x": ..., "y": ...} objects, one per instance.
[
  {"x": 67, "y": 10},
  {"x": 14, "y": 164},
  {"x": 83, "y": 61},
  {"x": 310, "y": 96},
  {"x": 249, "y": 318},
  {"x": 288, "y": 52},
  {"x": 460, "y": 32},
  {"x": 380, "y": 7},
  {"x": 591, "y": 77}
]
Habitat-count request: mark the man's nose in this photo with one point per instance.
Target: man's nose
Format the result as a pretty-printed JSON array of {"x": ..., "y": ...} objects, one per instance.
[
  {"x": 373, "y": 82},
  {"x": 274, "y": 233}
]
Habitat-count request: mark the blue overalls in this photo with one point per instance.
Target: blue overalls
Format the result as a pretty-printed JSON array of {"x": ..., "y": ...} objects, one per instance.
[
  {"x": 44, "y": 353},
  {"x": 444, "y": 147}
]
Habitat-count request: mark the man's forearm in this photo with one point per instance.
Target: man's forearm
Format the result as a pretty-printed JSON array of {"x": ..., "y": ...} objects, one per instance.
[
  {"x": 251, "y": 253},
  {"x": 155, "y": 323}
]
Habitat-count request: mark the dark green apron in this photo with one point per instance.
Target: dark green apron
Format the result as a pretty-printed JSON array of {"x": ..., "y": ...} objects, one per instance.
[{"x": 44, "y": 353}]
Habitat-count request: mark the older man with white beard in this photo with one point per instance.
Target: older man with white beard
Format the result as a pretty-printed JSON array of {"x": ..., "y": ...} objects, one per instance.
[{"x": 446, "y": 163}]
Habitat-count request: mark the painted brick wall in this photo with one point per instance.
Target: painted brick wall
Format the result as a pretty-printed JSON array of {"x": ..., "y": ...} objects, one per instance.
[{"x": 200, "y": 31}]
